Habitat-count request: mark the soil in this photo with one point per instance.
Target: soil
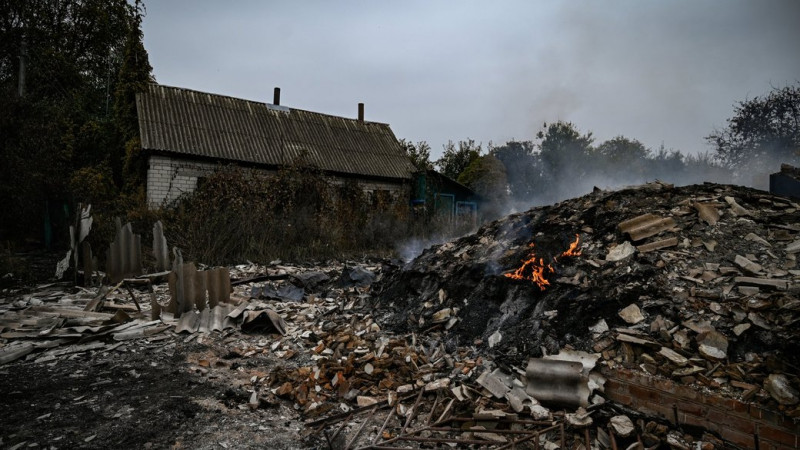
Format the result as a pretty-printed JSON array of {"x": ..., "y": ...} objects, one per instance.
[{"x": 143, "y": 395}]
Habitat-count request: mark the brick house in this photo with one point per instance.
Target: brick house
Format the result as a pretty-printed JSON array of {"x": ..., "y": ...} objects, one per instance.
[{"x": 187, "y": 134}]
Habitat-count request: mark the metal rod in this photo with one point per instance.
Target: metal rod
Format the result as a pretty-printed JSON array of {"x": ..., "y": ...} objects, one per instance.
[
  {"x": 433, "y": 409},
  {"x": 461, "y": 430},
  {"x": 446, "y": 440},
  {"x": 513, "y": 443},
  {"x": 446, "y": 410},
  {"x": 363, "y": 424},
  {"x": 613, "y": 439},
  {"x": 388, "y": 416},
  {"x": 136, "y": 302},
  {"x": 502, "y": 420},
  {"x": 413, "y": 411},
  {"x": 341, "y": 426}
]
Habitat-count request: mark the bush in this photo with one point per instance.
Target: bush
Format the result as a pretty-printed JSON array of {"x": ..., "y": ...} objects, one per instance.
[{"x": 297, "y": 214}]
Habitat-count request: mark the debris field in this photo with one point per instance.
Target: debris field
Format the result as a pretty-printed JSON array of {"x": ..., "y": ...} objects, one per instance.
[{"x": 649, "y": 317}]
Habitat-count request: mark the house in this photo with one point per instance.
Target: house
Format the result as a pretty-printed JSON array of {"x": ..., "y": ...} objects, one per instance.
[
  {"x": 187, "y": 134},
  {"x": 444, "y": 196},
  {"x": 786, "y": 182}
]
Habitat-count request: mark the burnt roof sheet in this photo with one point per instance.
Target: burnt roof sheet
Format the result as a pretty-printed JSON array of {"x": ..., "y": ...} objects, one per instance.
[{"x": 183, "y": 121}]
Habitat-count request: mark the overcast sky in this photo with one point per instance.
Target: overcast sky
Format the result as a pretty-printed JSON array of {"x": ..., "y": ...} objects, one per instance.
[{"x": 663, "y": 72}]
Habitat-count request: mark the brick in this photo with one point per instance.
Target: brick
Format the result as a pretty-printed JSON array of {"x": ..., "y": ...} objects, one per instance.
[
  {"x": 619, "y": 398},
  {"x": 768, "y": 445},
  {"x": 664, "y": 385},
  {"x": 616, "y": 387},
  {"x": 724, "y": 403},
  {"x": 777, "y": 435},
  {"x": 691, "y": 408},
  {"x": 791, "y": 424},
  {"x": 740, "y": 408},
  {"x": 686, "y": 393},
  {"x": 696, "y": 421},
  {"x": 771, "y": 417},
  {"x": 731, "y": 421},
  {"x": 660, "y": 409},
  {"x": 643, "y": 394},
  {"x": 738, "y": 438},
  {"x": 755, "y": 412}
]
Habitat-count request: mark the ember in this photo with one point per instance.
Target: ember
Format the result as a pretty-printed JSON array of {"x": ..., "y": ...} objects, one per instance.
[{"x": 534, "y": 270}]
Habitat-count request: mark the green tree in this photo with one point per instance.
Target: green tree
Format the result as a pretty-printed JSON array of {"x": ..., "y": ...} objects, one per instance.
[
  {"x": 486, "y": 175},
  {"x": 564, "y": 150},
  {"x": 455, "y": 160},
  {"x": 522, "y": 168},
  {"x": 58, "y": 66},
  {"x": 419, "y": 154},
  {"x": 623, "y": 159},
  {"x": 134, "y": 76},
  {"x": 762, "y": 133}
]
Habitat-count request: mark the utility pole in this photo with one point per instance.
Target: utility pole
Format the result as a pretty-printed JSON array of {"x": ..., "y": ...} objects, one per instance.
[{"x": 23, "y": 56}]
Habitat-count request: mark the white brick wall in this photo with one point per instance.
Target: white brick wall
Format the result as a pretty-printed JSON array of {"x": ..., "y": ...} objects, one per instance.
[{"x": 168, "y": 178}]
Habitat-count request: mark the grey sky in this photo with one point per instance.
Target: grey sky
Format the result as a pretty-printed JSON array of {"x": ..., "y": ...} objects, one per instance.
[{"x": 658, "y": 71}]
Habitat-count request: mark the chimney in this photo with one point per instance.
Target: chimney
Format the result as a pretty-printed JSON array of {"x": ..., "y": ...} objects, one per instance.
[
  {"x": 276, "y": 97},
  {"x": 360, "y": 112}
]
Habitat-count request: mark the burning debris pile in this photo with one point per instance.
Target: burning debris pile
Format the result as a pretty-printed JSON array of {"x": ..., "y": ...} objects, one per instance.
[{"x": 695, "y": 284}]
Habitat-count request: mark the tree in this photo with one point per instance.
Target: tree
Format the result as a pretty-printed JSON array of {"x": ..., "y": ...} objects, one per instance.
[
  {"x": 62, "y": 56},
  {"x": 454, "y": 161},
  {"x": 486, "y": 175},
  {"x": 564, "y": 150},
  {"x": 522, "y": 168},
  {"x": 134, "y": 76},
  {"x": 419, "y": 154},
  {"x": 623, "y": 159},
  {"x": 762, "y": 133}
]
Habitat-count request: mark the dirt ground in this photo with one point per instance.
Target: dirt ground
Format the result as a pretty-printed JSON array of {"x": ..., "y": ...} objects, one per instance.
[{"x": 143, "y": 395}]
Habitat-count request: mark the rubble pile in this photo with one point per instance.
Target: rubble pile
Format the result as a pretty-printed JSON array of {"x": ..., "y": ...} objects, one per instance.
[
  {"x": 697, "y": 284},
  {"x": 498, "y": 339}
]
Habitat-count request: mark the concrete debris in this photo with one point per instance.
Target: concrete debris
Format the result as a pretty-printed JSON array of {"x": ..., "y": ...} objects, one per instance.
[
  {"x": 712, "y": 345},
  {"x": 493, "y": 384},
  {"x": 579, "y": 419},
  {"x": 621, "y": 252},
  {"x": 495, "y": 338},
  {"x": 631, "y": 314},
  {"x": 747, "y": 265},
  {"x": 674, "y": 357},
  {"x": 622, "y": 425},
  {"x": 781, "y": 389},
  {"x": 707, "y": 212},
  {"x": 646, "y": 225},
  {"x": 736, "y": 209}
]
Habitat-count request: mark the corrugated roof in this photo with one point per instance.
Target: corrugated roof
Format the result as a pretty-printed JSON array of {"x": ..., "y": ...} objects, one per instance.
[{"x": 195, "y": 123}]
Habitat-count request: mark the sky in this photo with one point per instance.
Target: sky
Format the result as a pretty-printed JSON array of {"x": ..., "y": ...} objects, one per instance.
[{"x": 663, "y": 72}]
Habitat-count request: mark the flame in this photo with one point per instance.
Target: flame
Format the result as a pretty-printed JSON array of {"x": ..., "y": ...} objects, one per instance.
[
  {"x": 573, "y": 248},
  {"x": 535, "y": 270},
  {"x": 532, "y": 270}
]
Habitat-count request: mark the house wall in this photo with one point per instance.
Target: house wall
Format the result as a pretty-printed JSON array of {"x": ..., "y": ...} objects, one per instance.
[{"x": 168, "y": 178}]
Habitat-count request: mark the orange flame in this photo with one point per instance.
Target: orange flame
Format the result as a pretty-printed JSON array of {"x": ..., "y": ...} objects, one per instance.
[
  {"x": 534, "y": 269},
  {"x": 573, "y": 248}
]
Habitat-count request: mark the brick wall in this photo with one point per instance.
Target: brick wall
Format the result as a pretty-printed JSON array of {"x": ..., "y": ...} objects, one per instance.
[
  {"x": 734, "y": 421},
  {"x": 168, "y": 178}
]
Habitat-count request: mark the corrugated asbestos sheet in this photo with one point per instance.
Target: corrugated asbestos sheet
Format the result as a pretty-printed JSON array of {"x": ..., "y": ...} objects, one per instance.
[{"x": 188, "y": 122}]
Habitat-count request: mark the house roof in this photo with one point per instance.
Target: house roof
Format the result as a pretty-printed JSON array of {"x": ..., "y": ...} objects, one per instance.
[{"x": 193, "y": 123}]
